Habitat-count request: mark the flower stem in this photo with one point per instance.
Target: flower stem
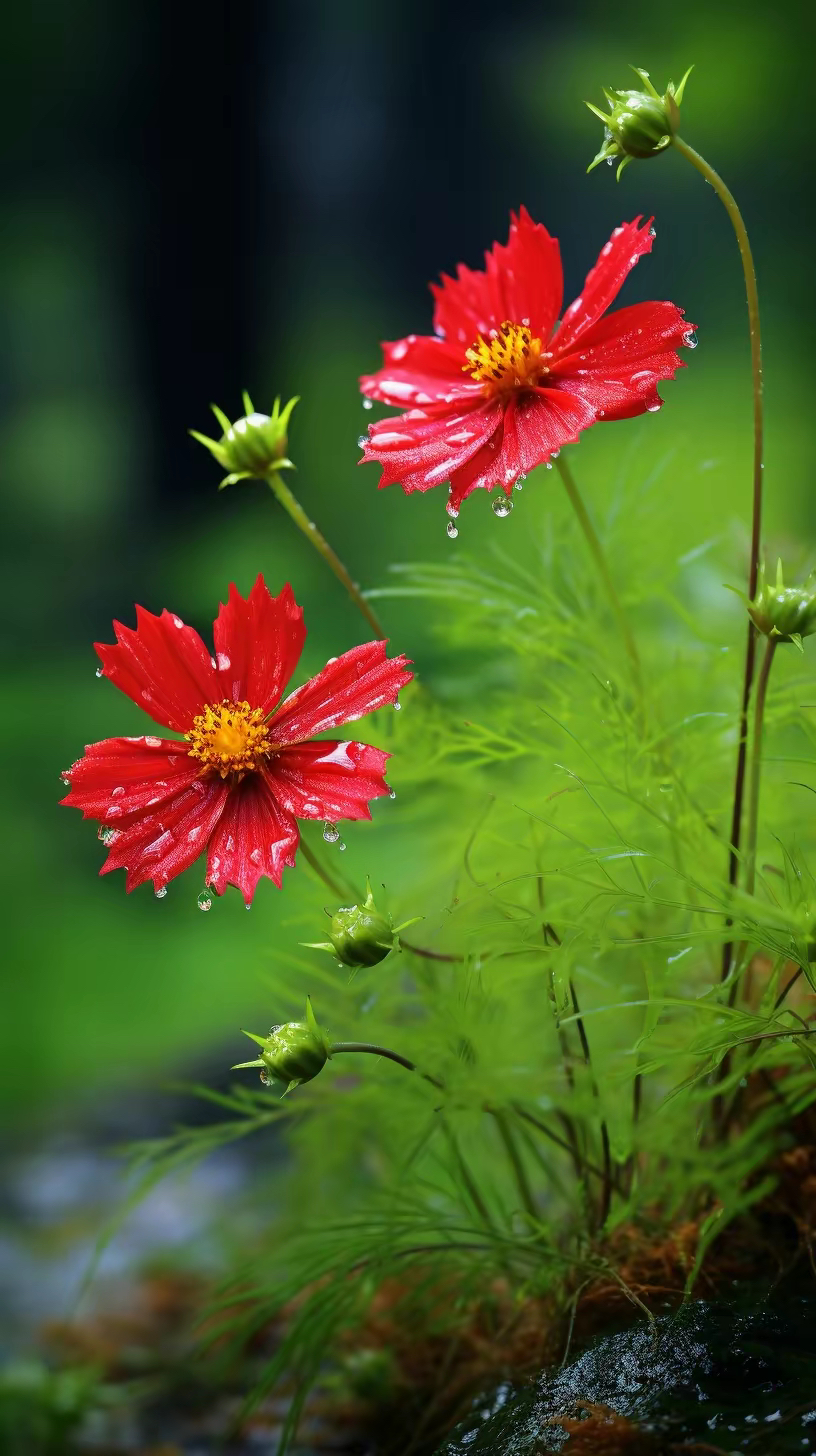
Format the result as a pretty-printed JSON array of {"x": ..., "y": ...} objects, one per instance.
[
  {"x": 752, "y": 295},
  {"x": 755, "y": 770},
  {"x": 519, "y": 1172},
  {"x": 600, "y": 560},
  {"x": 295, "y": 510}
]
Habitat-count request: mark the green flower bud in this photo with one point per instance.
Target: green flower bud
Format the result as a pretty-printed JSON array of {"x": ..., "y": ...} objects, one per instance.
[
  {"x": 787, "y": 613},
  {"x": 638, "y": 123},
  {"x": 361, "y": 935},
  {"x": 253, "y": 446},
  {"x": 292, "y": 1053}
]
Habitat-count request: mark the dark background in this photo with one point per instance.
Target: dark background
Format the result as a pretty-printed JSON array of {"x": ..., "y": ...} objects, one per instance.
[{"x": 201, "y": 199}]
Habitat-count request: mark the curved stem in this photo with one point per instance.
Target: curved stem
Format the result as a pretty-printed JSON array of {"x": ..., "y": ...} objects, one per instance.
[
  {"x": 295, "y": 510},
  {"x": 752, "y": 296},
  {"x": 321, "y": 871},
  {"x": 597, "y": 551},
  {"x": 755, "y": 771},
  {"x": 519, "y": 1171}
]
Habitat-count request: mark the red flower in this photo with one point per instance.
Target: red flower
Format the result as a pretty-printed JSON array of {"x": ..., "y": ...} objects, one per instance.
[
  {"x": 248, "y": 766},
  {"x": 501, "y": 386}
]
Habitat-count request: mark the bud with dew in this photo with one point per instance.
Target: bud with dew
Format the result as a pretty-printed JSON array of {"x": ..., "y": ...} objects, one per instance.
[
  {"x": 638, "y": 123},
  {"x": 292, "y": 1053},
  {"x": 783, "y": 613},
  {"x": 362, "y": 935},
  {"x": 253, "y": 446}
]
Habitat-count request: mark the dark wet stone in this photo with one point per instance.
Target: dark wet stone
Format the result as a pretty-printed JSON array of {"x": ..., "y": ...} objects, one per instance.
[{"x": 741, "y": 1381}]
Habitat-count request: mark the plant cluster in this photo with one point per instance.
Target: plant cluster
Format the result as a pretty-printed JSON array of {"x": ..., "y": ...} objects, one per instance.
[{"x": 600, "y": 1015}]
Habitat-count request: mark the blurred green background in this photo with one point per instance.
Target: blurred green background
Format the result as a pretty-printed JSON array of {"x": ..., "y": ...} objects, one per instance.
[{"x": 253, "y": 196}]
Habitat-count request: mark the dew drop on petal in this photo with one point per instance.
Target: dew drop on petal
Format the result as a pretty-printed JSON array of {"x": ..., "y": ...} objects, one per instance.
[
  {"x": 501, "y": 506},
  {"x": 652, "y": 409},
  {"x": 362, "y": 441},
  {"x": 161, "y": 892},
  {"x": 341, "y": 844},
  {"x": 66, "y": 782},
  {"x": 652, "y": 232},
  {"x": 398, "y": 706},
  {"x": 392, "y": 793},
  {"x": 452, "y": 530},
  {"x": 100, "y": 672},
  {"x": 204, "y": 900},
  {"x": 331, "y": 833},
  {"x": 368, "y": 404},
  {"x": 690, "y": 339},
  {"x": 105, "y": 835}
]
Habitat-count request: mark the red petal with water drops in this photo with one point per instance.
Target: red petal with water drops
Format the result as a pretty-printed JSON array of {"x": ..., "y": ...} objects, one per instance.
[
  {"x": 119, "y": 779},
  {"x": 256, "y": 837},
  {"x": 420, "y": 450},
  {"x": 418, "y": 371},
  {"x": 163, "y": 666},
  {"x": 603, "y": 283},
  {"x": 161, "y": 845},
  {"x": 536, "y": 424},
  {"x": 329, "y": 780},
  {"x": 357, "y": 683},
  {"x": 529, "y": 277},
  {"x": 619, "y": 362},
  {"x": 258, "y": 642}
]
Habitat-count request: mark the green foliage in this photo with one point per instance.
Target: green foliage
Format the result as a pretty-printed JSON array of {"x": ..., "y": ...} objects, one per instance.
[
  {"x": 41, "y": 1410},
  {"x": 561, "y": 826}
]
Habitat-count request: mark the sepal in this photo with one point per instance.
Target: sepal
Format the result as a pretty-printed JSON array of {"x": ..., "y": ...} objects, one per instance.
[
  {"x": 252, "y": 447},
  {"x": 784, "y": 613},
  {"x": 292, "y": 1053},
  {"x": 361, "y": 935},
  {"x": 638, "y": 123}
]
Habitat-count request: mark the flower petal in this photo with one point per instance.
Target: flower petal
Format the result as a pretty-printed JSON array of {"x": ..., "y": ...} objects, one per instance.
[
  {"x": 357, "y": 683},
  {"x": 329, "y": 780},
  {"x": 421, "y": 450},
  {"x": 256, "y": 836},
  {"x": 521, "y": 279},
  {"x": 536, "y": 424},
  {"x": 623, "y": 358},
  {"x": 420, "y": 370},
  {"x": 163, "y": 666},
  {"x": 258, "y": 642},
  {"x": 120, "y": 778},
  {"x": 160, "y": 845},
  {"x": 603, "y": 283}
]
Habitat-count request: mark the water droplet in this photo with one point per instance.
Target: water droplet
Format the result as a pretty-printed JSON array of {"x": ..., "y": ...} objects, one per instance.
[
  {"x": 651, "y": 409},
  {"x": 690, "y": 339},
  {"x": 549, "y": 465},
  {"x": 161, "y": 892},
  {"x": 204, "y": 900},
  {"x": 555, "y": 454},
  {"x": 398, "y": 706},
  {"x": 652, "y": 232},
  {"x": 518, "y": 485},
  {"x": 609, "y": 161},
  {"x": 247, "y": 907},
  {"x": 601, "y": 414},
  {"x": 666, "y": 788},
  {"x": 100, "y": 672},
  {"x": 368, "y": 404},
  {"x": 117, "y": 792},
  {"x": 331, "y": 833},
  {"x": 392, "y": 793},
  {"x": 362, "y": 441},
  {"x": 452, "y": 510},
  {"x": 265, "y": 1077},
  {"x": 341, "y": 844},
  {"x": 66, "y": 782},
  {"x": 452, "y": 530},
  {"x": 105, "y": 836},
  {"x": 501, "y": 506}
]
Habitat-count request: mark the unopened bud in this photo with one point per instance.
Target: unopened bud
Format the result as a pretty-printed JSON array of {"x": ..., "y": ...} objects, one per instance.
[
  {"x": 786, "y": 613},
  {"x": 361, "y": 935},
  {"x": 292, "y": 1053},
  {"x": 253, "y": 446},
  {"x": 638, "y": 123}
]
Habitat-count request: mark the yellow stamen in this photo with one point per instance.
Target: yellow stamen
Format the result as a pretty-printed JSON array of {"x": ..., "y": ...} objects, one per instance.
[
  {"x": 511, "y": 357},
  {"x": 229, "y": 737}
]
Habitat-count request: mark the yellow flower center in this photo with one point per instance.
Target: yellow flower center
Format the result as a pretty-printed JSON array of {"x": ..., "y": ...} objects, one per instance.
[
  {"x": 229, "y": 737},
  {"x": 508, "y": 358}
]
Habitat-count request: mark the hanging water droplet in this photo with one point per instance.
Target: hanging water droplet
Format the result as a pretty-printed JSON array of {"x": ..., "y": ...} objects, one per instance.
[
  {"x": 549, "y": 465},
  {"x": 452, "y": 510},
  {"x": 652, "y": 409},
  {"x": 362, "y": 441},
  {"x": 100, "y": 672},
  {"x": 652, "y": 232},
  {"x": 266, "y": 1079},
  {"x": 452, "y": 530},
  {"x": 161, "y": 892},
  {"x": 555, "y": 454},
  {"x": 392, "y": 793},
  {"x": 341, "y": 844},
  {"x": 501, "y": 506},
  {"x": 204, "y": 900},
  {"x": 518, "y": 485},
  {"x": 368, "y": 404},
  {"x": 690, "y": 339},
  {"x": 66, "y": 782},
  {"x": 398, "y": 706},
  {"x": 105, "y": 836},
  {"x": 331, "y": 833}
]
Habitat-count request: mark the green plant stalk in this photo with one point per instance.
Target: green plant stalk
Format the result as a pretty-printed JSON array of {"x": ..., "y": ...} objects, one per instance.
[
  {"x": 729, "y": 203},
  {"x": 755, "y": 768},
  {"x": 296, "y": 513},
  {"x": 598, "y": 556},
  {"x": 519, "y": 1172}
]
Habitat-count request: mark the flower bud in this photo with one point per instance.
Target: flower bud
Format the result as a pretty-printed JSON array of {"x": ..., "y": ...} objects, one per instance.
[
  {"x": 786, "y": 613},
  {"x": 253, "y": 446},
  {"x": 292, "y": 1053},
  {"x": 361, "y": 935},
  {"x": 639, "y": 123}
]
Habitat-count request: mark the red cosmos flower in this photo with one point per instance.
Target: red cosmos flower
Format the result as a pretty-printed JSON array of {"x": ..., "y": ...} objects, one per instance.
[
  {"x": 501, "y": 386},
  {"x": 247, "y": 767}
]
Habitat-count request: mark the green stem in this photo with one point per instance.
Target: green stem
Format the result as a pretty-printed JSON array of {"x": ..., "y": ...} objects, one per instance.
[
  {"x": 755, "y": 770},
  {"x": 295, "y": 510},
  {"x": 321, "y": 871},
  {"x": 600, "y": 560},
  {"x": 752, "y": 296},
  {"x": 519, "y": 1171}
]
